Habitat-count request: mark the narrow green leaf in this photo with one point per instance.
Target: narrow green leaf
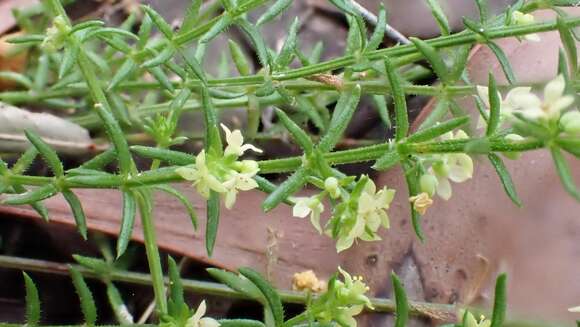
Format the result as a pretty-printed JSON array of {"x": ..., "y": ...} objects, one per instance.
[
  {"x": 289, "y": 48},
  {"x": 77, "y": 211},
  {"x": 298, "y": 134},
  {"x": 41, "y": 73},
  {"x": 175, "y": 286},
  {"x": 144, "y": 32},
  {"x": 190, "y": 20},
  {"x": 382, "y": 109},
  {"x": 257, "y": 41},
  {"x": 569, "y": 45},
  {"x": 460, "y": 62},
  {"x": 172, "y": 157},
  {"x": 26, "y": 39},
  {"x": 436, "y": 115},
  {"x": 286, "y": 189},
  {"x": 32, "y": 301},
  {"x": 273, "y": 11},
  {"x": 438, "y": 130},
  {"x": 213, "y": 220},
  {"x": 193, "y": 66},
  {"x": 37, "y": 206},
  {"x": 183, "y": 199},
  {"x": 88, "y": 306},
  {"x": 402, "y": 310},
  {"x": 68, "y": 60},
  {"x": 30, "y": 197},
  {"x": 237, "y": 283},
  {"x": 503, "y": 61},
  {"x": 345, "y": 6},
  {"x": 222, "y": 24},
  {"x": 354, "y": 41},
  {"x": 564, "y": 173},
  {"x": 25, "y": 160},
  {"x": 387, "y": 161},
  {"x": 483, "y": 8},
  {"x": 101, "y": 180},
  {"x": 430, "y": 53},
  {"x": 500, "y": 301},
  {"x": 343, "y": 112},
  {"x": 505, "y": 178},
  {"x": 379, "y": 33},
  {"x": 46, "y": 152},
  {"x": 127, "y": 222},
  {"x": 400, "y": 102},
  {"x": 412, "y": 179},
  {"x": 18, "y": 78},
  {"x": 122, "y": 73},
  {"x": 273, "y": 302},
  {"x": 159, "y": 21},
  {"x": 239, "y": 58},
  {"x": 440, "y": 17},
  {"x": 160, "y": 58},
  {"x": 495, "y": 107},
  {"x": 241, "y": 322},
  {"x": 162, "y": 78},
  {"x": 98, "y": 266},
  {"x": 213, "y": 141}
]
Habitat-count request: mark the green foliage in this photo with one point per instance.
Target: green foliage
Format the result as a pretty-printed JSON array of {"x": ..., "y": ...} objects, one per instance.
[{"x": 121, "y": 83}]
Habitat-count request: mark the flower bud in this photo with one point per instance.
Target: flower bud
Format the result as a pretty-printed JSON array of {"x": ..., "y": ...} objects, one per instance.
[
  {"x": 441, "y": 169},
  {"x": 428, "y": 184},
  {"x": 513, "y": 138},
  {"x": 332, "y": 187},
  {"x": 570, "y": 122}
]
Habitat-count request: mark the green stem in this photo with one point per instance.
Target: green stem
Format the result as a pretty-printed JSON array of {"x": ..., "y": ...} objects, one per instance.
[
  {"x": 152, "y": 251},
  {"x": 420, "y": 309}
]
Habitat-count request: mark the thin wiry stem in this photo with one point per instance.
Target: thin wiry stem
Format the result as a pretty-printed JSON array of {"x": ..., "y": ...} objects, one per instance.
[{"x": 372, "y": 18}]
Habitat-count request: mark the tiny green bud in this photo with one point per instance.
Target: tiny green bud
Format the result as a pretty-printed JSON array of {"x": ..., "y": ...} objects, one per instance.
[
  {"x": 570, "y": 122},
  {"x": 428, "y": 184},
  {"x": 513, "y": 138},
  {"x": 56, "y": 35},
  {"x": 332, "y": 187}
]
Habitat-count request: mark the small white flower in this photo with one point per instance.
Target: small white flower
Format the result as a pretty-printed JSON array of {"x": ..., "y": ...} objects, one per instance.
[
  {"x": 521, "y": 19},
  {"x": 235, "y": 142},
  {"x": 202, "y": 178},
  {"x": 554, "y": 101},
  {"x": 507, "y": 105},
  {"x": 574, "y": 309},
  {"x": 238, "y": 182},
  {"x": 196, "y": 319},
  {"x": 457, "y": 167},
  {"x": 312, "y": 206}
]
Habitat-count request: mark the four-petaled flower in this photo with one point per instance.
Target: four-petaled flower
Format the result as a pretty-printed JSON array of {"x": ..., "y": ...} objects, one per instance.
[
  {"x": 197, "y": 319},
  {"x": 370, "y": 214},
  {"x": 202, "y": 177},
  {"x": 455, "y": 167},
  {"x": 507, "y": 105},
  {"x": 312, "y": 206},
  {"x": 235, "y": 143},
  {"x": 532, "y": 107}
]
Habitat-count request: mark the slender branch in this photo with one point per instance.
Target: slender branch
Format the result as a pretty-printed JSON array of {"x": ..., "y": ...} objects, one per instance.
[
  {"x": 372, "y": 18},
  {"x": 420, "y": 309}
]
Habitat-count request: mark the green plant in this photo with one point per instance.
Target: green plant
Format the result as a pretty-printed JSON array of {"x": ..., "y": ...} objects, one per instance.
[{"x": 121, "y": 82}]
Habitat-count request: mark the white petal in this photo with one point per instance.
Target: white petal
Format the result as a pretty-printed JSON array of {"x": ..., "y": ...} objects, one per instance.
[
  {"x": 247, "y": 147},
  {"x": 444, "y": 188},
  {"x": 200, "y": 312},
  {"x": 461, "y": 169},
  {"x": 188, "y": 173},
  {"x": 533, "y": 113},
  {"x": 515, "y": 92},
  {"x": 230, "y": 198},
  {"x": 554, "y": 89},
  {"x": 301, "y": 208},
  {"x": 315, "y": 220},
  {"x": 561, "y": 104},
  {"x": 525, "y": 101},
  {"x": 214, "y": 184},
  {"x": 208, "y": 322},
  {"x": 344, "y": 243},
  {"x": 532, "y": 37}
]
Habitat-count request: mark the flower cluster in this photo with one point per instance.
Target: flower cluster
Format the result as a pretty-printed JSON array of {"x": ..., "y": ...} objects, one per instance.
[
  {"x": 358, "y": 215},
  {"x": 343, "y": 300},
  {"x": 549, "y": 109},
  {"x": 454, "y": 167},
  {"x": 56, "y": 35},
  {"x": 223, "y": 174}
]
